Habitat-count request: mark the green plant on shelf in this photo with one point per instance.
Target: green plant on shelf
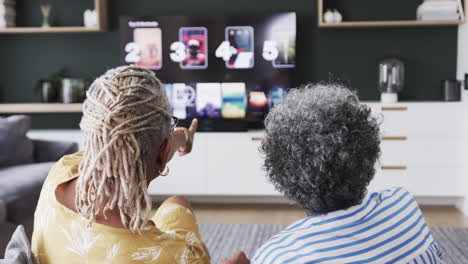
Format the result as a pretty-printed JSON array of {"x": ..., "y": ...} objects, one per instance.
[{"x": 48, "y": 88}]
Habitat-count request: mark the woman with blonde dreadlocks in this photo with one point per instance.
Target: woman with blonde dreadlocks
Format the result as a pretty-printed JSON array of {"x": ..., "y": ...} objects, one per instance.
[{"x": 94, "y": 206}]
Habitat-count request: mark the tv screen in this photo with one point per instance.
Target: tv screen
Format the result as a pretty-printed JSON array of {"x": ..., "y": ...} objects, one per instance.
[{"x": 216, "y": 67}]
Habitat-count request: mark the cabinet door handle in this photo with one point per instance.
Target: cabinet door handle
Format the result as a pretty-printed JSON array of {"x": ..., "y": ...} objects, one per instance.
[
  {"x": 257, "y": 138},
  {"x": 394, "y": 168},
  {"x": 395, "y": 138},
  {"x": 394, "y": 108}
]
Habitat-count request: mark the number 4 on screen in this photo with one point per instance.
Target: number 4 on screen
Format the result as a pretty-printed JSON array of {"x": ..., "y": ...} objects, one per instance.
[{"x": 225, "y": 51}]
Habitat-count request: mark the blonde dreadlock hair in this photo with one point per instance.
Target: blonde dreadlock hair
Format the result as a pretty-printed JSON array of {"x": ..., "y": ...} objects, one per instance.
[{"x": 125, "y": 113}]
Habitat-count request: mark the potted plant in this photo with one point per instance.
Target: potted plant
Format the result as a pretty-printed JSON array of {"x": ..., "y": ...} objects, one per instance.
[{"x": 49, "y": 88}]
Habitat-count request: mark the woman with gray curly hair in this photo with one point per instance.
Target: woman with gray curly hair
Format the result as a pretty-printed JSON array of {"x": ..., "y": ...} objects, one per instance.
[{"x": 320, "y": 149}]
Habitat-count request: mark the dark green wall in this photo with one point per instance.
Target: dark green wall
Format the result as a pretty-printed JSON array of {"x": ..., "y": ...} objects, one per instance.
[{"x": 346, "y": 55}]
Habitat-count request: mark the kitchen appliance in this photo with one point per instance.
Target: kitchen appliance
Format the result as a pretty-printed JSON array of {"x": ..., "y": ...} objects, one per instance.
[{"x": 391, "y": 79}]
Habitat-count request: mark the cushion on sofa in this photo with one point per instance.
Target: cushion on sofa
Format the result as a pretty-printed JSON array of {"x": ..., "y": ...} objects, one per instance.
[
  {"x": 20, "y": 187},
  {"x": 7, "y": 230},
  {"x": 16, "y": 147},
  {"x": 47, "y": 150},
  {"x": 18, "y": 250}
]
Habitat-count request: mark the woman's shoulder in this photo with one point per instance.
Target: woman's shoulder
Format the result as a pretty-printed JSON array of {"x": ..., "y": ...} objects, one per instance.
[{"x": 65, "y": 169}]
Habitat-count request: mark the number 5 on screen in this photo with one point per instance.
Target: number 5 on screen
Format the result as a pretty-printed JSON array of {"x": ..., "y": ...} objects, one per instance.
[{"x": 270, "y": 51}]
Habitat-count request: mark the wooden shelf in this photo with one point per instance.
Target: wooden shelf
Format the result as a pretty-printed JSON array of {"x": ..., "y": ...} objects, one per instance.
[
  {"x": 407, "y": 23},
  {"x": 101, "y": 10},
  {"x": 39, "y": 108},
  {"x": 396, "y": 23},
  {"x": 39, "y": 30}
]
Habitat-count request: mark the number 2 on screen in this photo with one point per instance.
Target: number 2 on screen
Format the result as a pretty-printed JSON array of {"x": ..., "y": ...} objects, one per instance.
[{"x": 133, "y": 51}]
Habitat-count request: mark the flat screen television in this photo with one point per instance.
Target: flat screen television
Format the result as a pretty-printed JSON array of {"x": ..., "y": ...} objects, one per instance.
[{"x": 227, "y": 71}]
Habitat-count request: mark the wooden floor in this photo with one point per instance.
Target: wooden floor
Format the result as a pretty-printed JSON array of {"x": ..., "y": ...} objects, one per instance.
[{"x": 287, "y": 214}]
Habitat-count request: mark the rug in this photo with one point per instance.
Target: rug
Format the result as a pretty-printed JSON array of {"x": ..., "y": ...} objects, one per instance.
[{"x": 224, "y": 240}]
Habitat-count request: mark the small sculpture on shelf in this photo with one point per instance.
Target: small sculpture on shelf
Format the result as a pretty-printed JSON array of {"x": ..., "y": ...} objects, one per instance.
[
  {"x": 332, "y": 16},
  {"x": 7, "y": 13},
  {"x": 46, "y": 10},
  {"x": 90, "y": 18},
  {"x": 338, "y": 18}
]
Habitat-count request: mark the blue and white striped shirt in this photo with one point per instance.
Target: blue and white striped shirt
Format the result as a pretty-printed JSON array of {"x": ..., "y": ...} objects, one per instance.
[{"x": 387, "y": 227}]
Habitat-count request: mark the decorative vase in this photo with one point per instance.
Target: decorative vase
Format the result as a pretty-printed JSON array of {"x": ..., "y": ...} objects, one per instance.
[
  {"x": 48, "y": 92},
  {"x": 337, "y": 17},
  {"x": 45, "y": 21},
  {"x": 72, "y": 90},
  {"x": 45, "y": 10}
]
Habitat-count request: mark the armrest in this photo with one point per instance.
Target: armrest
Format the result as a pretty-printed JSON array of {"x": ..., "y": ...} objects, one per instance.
[{"x": 45, "y": 150}]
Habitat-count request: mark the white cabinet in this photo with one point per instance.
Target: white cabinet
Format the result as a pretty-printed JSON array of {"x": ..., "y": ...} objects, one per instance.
[
  {"x": 422, "y": 181},
  {"x": 187, "y": 174},
  {"x": 422, "y": 150},
  {"x": 426, "y": 119},
  {"x": 235, "y": 165},
  {"x": 220, "y": 164}
]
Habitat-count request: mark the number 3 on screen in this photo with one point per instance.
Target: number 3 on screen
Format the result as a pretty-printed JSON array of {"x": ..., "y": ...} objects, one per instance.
[{"x": 178, "y": 54}]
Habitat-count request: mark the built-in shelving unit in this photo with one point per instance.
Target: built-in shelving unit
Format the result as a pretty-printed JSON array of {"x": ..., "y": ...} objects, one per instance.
[
  {"x": 408, "y": 23},
  {"x": 101, "y": 10},
  {"x": 39, "y": 30},
  {"x": 396, "y": 23},
  {"x": 29, "y": 108}
]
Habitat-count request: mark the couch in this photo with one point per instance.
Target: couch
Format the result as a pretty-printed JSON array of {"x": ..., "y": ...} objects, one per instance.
[{"x": 20, "y": 187}]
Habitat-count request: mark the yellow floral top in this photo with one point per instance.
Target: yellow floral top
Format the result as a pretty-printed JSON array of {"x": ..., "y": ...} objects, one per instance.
[{"x": 62, "y": 236}]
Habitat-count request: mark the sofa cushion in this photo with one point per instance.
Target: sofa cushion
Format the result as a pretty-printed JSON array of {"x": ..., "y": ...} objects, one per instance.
[
  {"x": 20, "y": 187},
  {"x": 47, "y": 150},
  {"x": 18, "y": 250},
  {"x": 7, "y": 230},
  {"x": 16, "y": 148}
]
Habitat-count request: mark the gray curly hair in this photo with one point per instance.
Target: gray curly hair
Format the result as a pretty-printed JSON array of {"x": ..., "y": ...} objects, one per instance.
[{"x": 320, "y": 147}]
